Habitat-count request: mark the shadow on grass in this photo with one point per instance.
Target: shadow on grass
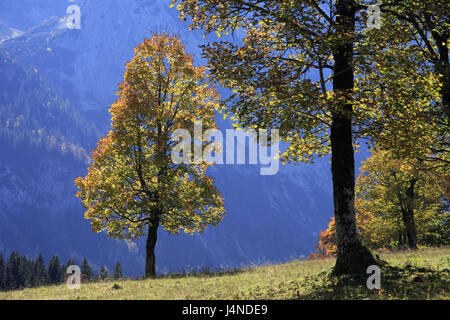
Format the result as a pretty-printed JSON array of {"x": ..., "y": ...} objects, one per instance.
[{"x": 409, "y": 282}]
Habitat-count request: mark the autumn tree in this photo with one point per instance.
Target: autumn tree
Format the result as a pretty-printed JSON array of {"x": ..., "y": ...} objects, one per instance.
[
  {"x": 407, "y": 193},
  {"x": 401, "y": 109},
  {"x": 296, "y": 66},
  {"x": 327, "y": 240},
  {"x": 399, "y": 203},
  {"x": 428, "y": 20},
  {"x": 396, "y": 92},
  {"x": 132, "y": 186},
  {"x": 293, "y": 69},
  {"x": 399, "y": 91}
]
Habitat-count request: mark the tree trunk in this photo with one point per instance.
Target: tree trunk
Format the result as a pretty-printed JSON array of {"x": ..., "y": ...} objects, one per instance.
[
  {"x": 408, "y": 216},
  {"x": 150, "y": 258},
  {"x": 410, "y": 227},
  {"x": 352, "y": 257},
  {"x": 152, "y": 237},
  {"x": 401, "y": 241}
]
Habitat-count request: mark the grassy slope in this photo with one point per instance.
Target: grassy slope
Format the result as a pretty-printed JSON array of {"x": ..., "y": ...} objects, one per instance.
[{"x": 425, "y": 275}]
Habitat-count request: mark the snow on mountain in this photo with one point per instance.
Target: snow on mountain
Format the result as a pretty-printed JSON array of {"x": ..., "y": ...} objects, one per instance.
[
  {"x": 87, "y": 64},
  {"x": 6, "y": 32}
]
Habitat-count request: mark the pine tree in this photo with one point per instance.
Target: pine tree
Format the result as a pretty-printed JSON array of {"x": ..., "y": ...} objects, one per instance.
[
  {"x": 2, "y": 273},
  {"x": 40, "y": 272},
  {"x": 55, "y": 271},
  {"x": 86, "y": 270},
  {"x": 26, "y": 269},
  {"x": 70, "y": 262},
  {"x": 14, "y": 275},
  {"x": 118, "y": 272},
  {"x": 104, "y": 274}
]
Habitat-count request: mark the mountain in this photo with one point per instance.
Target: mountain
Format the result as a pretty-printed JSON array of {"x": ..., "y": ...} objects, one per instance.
[
  {"x": 86, "y": 65},
  {"x": 6, "y": 32},
  {"x": 44, "y": 143},
  {"x": 270, "y": 218},
  {"x": 32, "y": 113},
  {"x": 25, "y": 14}
]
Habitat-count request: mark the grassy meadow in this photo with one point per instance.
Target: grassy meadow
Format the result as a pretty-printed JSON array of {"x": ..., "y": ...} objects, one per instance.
[{"x": 424, "y": 274}]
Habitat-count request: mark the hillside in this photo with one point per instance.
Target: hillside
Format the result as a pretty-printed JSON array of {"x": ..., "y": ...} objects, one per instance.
[
  {"x": 33, "y": 115},
  {"x": 426, "y": 275}
]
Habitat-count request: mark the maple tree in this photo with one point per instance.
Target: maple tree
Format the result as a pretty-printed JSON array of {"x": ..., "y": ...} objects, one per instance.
[
  {"x": 402, "y": 86},
  {"x": 429, "y": 23},
  {"x": 292, "y": 69},
  {"x": 327, "y": 240},
  {"x": 399, "y": 202},
  {"x": 404, "y": 196},
  {"x": 315, "y": 71},
  {"x": 395, "y": 94},
  {"x": 132, "y": 186}
]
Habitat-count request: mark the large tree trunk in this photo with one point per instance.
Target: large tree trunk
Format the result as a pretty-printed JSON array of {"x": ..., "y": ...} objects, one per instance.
[
  {"x": 410, "y": 227},
  {"x": 401, "y": 240},
  {"x": 408, "y": 216},
  {"x": 352, "y": 257},
  {"x": 150, "y": 258}
]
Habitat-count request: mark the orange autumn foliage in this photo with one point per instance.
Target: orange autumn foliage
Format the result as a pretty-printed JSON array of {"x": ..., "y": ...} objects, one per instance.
[{"x": 327, "y": 241}]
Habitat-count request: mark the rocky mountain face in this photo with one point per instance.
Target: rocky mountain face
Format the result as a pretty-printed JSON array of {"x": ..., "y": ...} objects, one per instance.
[
  {"x": 270, "y": 218},
  {"x": 86, "y": 65},
  {"x": 6, "y": 32}
]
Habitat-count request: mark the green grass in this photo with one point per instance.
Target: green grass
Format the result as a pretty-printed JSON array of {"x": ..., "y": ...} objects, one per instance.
[{"x": 423, "y": 274}]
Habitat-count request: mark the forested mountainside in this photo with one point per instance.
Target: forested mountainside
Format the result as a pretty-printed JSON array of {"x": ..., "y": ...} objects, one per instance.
[
  {"x": 45, "y": 144},
  {"x": 32, "y": 115}
]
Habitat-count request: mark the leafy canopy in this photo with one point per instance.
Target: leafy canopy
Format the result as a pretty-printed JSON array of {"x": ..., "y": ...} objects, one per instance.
[
  {"x": 132, "y": 181},
  {"x": 280, "y": 68},
  {"x": 381, "y": 195}
]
